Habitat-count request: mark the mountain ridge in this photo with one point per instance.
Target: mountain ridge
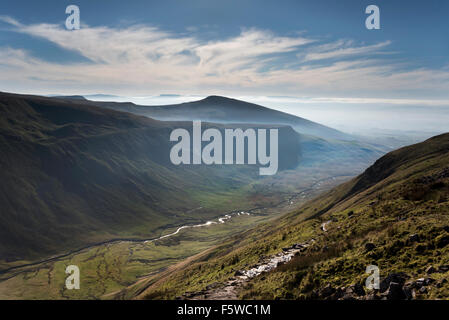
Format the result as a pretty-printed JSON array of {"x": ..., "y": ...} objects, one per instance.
[{"x": 222, "y": 109}]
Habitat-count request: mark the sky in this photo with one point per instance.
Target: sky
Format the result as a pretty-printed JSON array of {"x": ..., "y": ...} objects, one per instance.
[{"x": 311, "y": 58}]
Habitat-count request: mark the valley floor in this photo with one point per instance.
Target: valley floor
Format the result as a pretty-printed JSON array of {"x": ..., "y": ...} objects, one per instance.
[{"x": 108, "y": 269}]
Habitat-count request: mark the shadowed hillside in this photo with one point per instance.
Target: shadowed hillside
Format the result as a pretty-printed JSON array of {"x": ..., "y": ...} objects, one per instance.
[{"x": 74, "y": 174}]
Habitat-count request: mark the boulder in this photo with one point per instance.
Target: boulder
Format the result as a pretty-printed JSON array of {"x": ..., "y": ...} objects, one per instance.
[
  {"x": 339, "y": 293},
  {"x": 421, "y": 248},
  {"x": 356, "y": 289},
  {"x": 327, "y": 291},
  {"x": 430, "y": 270},
  {"x": 443, "y": 268},
  {"x": 409, "y": 293},
  {"x": 413, "y": 238},
  {"x": 314, "y": 295},
  {"x": 348, "y": 297},
  {"x": 419, "y": 283},
  {"x": 239, "y": 273},
  {"x": 372, "y": 296},
  {"x": 423, "y": 282},
  {"x": 395, "y": 292},
  {"x": 441, "y": 283},
  {"x": 442, "y": 241},
  {"x": 399, "y": 278},
  {"x": 212, "y": 286}
]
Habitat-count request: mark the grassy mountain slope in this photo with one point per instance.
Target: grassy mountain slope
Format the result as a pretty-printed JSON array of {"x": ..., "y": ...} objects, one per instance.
[
  {"x": 74, "y": 174},
  {"x": 394, "y": 215}
]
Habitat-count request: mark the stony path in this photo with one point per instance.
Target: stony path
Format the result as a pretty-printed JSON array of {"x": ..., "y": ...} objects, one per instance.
[{"x": 229, "y": 290}]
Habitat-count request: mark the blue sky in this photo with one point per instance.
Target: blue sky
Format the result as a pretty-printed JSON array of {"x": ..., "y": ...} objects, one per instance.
[{"x": 317, "y": 52}]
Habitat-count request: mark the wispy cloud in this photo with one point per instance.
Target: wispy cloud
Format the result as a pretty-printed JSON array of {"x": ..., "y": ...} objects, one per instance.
[
  {"x": 143, "y": 59},
  {"x": 10, "y": 20},
  {"x": 343, "y": 49}
]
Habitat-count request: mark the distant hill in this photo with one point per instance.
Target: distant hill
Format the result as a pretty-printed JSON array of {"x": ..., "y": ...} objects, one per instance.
[
  {"x": 394, "y": 216},
  {"x": 225, "y": 110},
  {"x": 318, "y": 144},
  {"x": 70, "y": 97}
]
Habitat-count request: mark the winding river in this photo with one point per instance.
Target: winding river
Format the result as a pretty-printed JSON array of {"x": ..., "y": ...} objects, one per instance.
[{"x": 208, "y": 223}]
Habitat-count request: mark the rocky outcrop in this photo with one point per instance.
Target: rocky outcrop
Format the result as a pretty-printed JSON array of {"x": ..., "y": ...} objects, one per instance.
[{"x": 396, "y": 286}]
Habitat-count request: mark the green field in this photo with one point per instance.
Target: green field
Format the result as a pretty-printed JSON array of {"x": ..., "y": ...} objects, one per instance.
[{"x": 108, "y": 268}]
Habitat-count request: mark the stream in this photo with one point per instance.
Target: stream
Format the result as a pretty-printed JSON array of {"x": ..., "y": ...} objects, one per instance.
[
  {"x": 208, "y": 223},
  {"x": 223, "y": 219}
]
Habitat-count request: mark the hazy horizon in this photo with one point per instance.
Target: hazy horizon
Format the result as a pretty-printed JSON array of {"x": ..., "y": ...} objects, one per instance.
[{"x": 357, "y": 118}]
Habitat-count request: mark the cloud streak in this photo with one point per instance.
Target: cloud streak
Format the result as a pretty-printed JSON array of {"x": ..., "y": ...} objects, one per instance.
[
  {"x": 343, "y": 49},
  {"x": 142, "y": 59}
]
